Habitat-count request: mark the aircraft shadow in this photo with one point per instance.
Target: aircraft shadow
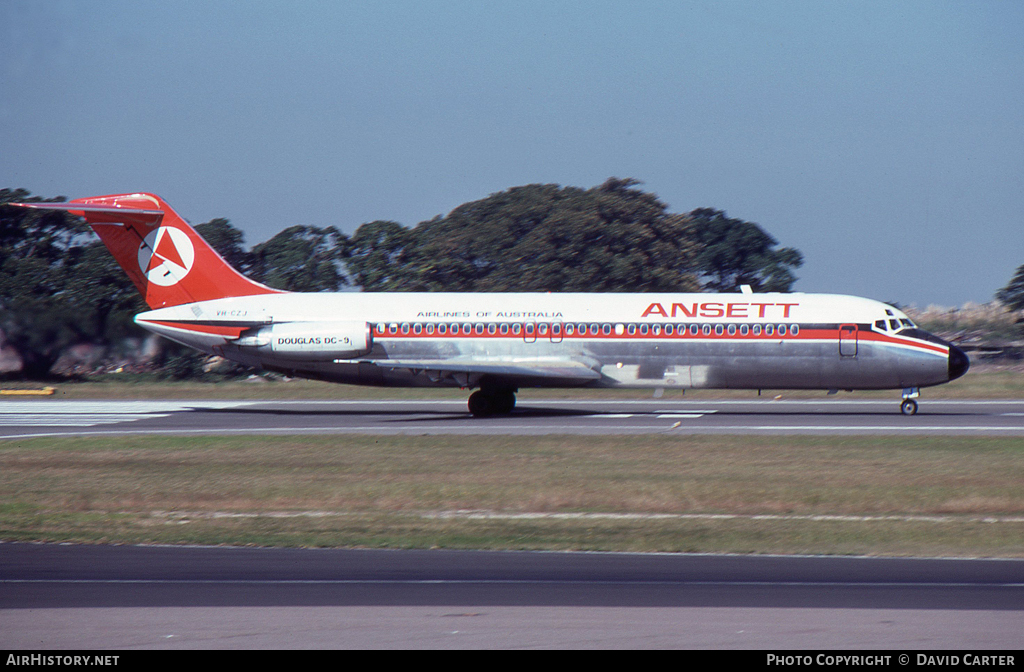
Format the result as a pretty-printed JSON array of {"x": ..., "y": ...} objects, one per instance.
[
  {"x": 396, "y": 414},
  {"x": 526, "y": 412}
]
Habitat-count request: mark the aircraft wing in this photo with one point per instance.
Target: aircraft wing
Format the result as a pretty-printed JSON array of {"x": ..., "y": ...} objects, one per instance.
[{"x": 567, "y": 370}]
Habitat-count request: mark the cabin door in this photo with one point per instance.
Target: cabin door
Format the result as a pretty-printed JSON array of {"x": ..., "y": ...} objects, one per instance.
[{"x": 848, "y": 340}]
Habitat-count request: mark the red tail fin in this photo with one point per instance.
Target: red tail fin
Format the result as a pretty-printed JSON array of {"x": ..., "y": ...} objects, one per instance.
[{"x": 167, "y": 260}]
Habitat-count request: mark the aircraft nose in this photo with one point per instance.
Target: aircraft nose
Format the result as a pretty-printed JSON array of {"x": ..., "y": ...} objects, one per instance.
[{"x": 958, "y": 362}]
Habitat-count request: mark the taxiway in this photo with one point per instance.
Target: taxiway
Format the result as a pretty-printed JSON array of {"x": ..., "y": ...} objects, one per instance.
[
  {"x": 21, "y": 419},
  {"x": 86, "y": 597}
]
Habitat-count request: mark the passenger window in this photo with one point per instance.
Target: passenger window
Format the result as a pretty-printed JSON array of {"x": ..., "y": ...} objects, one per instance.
[
  {"x": 530, "y": 327},
  {"x": 406, "y": 327},
  {"x": 503, "y": 329},
  {"x": 417, "y": 329},
  {"x": 782, "y": 330},
  {"x": 631, "y": 330},
  {"x": 707, "y": 330},
  {"x": 732, "y": 330},
  {"x": 756, "y": 330},
  {"x": 744, "y": 330},
  {"x": 769, "y": 330},
  {"x": 492, "y": 329},
  {"x": 644, "y": 329},
  {"x": 568, "y": 330},
  {"x": 668, "y": 330},
  {"x": 442, "y": 329},
  {"x": 517, "y": 329},
  {"x": 542, "y": 329},
  {"x": 794, "y": 330},
  {"x": 430, "y": 329},
  {"x": 719, "y": 330},
  {"x": 655, "y": 330},
  {"x": 694, "y": 330}
]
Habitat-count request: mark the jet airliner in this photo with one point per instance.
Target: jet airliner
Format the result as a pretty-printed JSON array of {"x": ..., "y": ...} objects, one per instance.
[{"x": 497, "y": 343}]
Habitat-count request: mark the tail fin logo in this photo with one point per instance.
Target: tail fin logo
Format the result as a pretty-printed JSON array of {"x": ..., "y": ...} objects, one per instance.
[{"x": 166, "y": 256}]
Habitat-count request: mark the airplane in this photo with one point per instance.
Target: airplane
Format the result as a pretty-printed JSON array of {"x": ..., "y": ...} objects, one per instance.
[{"x": 498, "y": 343}]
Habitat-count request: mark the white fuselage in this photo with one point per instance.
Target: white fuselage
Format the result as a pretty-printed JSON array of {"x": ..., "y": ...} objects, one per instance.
[{"x": 508, "y": 341}]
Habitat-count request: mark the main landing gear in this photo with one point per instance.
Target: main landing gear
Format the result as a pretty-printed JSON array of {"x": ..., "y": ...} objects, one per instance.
[
  {"x": 909, "y": 405},
  {"x": 483, "y": 403}
]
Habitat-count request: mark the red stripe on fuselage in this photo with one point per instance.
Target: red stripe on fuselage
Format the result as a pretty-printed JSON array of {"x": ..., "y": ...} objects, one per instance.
[
  {"x": 804, "y": 334},
  {"x": 227, "y": 332},
  {"x": 903, "y": 341}
]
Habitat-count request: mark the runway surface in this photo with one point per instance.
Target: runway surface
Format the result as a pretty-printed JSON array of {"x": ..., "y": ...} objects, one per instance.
[
  {"x": 66, "y": 596},
  {"x": 19, "y": 419},
  {"x": 87, "y": 597}
]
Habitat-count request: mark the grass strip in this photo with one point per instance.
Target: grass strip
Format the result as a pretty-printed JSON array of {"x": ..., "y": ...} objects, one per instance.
[{"x": 348, "y": 491}]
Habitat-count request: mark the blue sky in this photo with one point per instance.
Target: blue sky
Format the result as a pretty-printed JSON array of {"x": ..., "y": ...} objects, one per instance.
[{"x": 885, "y": 140}]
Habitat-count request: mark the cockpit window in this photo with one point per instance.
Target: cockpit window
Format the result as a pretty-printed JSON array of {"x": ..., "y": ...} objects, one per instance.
[
  {"x": 894, "y": 325},
  {"x": 906, "y": 323},
  {"x": 880, "y": 325}
]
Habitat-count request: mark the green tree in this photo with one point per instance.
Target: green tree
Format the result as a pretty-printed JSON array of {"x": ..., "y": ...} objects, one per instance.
[
  {"x": 301, "y": 259},
  {"x": 58, "y": 286},
  {"x": 1012, "y": 296},
  {"x": 101, "y": 300},
  {"x": 538, "y": 237},
  {"x": 379, "y": 257},
  {"x": 733, "y": 252}
]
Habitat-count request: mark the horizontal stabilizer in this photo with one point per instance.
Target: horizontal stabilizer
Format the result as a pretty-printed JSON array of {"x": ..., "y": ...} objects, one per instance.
[{"x": 102, "y": 214}]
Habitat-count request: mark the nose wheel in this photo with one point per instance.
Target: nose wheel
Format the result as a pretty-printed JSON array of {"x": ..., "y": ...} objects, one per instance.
[{"x": 909, "y": 405}]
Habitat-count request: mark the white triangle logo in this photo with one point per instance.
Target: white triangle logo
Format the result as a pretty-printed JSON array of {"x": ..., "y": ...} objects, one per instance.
[{"x": 166, "y": 256}]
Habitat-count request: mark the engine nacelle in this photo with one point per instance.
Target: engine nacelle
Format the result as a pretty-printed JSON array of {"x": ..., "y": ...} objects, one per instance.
[{"x": 312, "y": 341}]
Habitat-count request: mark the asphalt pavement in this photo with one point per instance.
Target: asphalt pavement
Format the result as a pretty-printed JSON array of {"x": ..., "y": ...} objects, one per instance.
[{"x": 828, "y": 416}]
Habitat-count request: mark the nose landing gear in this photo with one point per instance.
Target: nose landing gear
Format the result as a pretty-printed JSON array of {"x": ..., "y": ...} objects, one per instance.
[{"x": 909, "y": 405}]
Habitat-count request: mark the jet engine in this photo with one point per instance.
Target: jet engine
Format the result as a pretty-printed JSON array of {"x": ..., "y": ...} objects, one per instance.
[{"x": 311, "y": 341}]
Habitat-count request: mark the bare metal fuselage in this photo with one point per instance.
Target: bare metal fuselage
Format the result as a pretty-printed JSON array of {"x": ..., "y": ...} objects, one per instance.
[{"x": 727, "y": 341}]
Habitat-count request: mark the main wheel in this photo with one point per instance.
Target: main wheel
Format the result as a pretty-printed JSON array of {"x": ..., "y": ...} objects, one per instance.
[
  {"x": 481, "y": 405},
  {"x": 500, "y": 402},
  {"x": 504, "y": 402},
  {"x": 908, "y": 407}
]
